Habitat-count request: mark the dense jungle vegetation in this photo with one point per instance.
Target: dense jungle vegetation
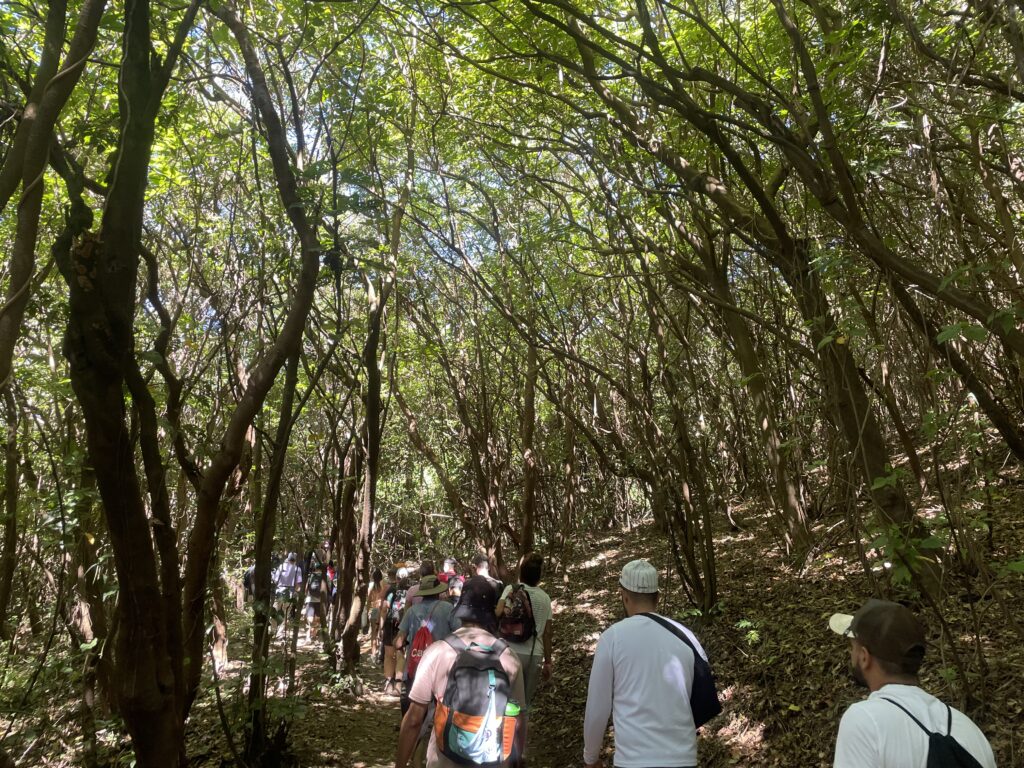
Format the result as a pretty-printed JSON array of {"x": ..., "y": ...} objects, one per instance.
[{"x": 388, "y": 279}]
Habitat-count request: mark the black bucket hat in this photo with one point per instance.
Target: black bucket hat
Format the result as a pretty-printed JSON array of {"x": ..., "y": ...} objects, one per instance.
[{"x": 477, "y": 603}]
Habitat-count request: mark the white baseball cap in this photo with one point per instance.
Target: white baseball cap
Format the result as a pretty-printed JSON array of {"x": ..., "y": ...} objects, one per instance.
[{"x": 639, "y": 576}]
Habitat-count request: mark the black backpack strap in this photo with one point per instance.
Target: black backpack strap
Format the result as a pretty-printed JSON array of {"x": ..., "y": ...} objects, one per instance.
[
  {"x": 949, "y": 720},
  {"x": 456, "y": 643},
  {"x": 919, "y": 723}
]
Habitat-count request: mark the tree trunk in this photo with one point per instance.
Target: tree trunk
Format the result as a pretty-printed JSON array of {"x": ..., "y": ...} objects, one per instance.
[
  {"x": 26, "y": 160},
  {"x": 848, "y": 400},
  {"x": 287, "y": 343},
  {"x": 88, "y": 620},
  {"x": 256, "y": 741},
  {"x": 530, "y": 470},
  {"x": 12, "y": 459},
  {"x": 346, "y": 619},
  {"x": 219, "y": 628},
  {"x": 784, "y": 485}
]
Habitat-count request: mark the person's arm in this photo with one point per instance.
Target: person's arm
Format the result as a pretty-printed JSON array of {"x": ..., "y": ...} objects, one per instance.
[
  {"x": 410, "y": 732},
  {"x": 404, "y": 630},
  {"x": 383, "y": 611},
  {"x": 548, "y": 658},
  {"x": 599, "y": 703},
  {"x": 420, "y": 695},
  {"x": 499, "y": 610}
]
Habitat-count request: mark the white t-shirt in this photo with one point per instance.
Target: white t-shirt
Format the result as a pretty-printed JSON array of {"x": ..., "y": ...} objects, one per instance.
[
  {"x": 541, "y": 604},
  {"x": 642, "y": 676},
  {"x": 288, "y": 575},
  {"x": 874, "y": 733}
]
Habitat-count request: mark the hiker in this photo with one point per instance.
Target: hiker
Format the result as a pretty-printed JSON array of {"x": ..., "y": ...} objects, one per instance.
[
  {"x": 392, "y": 606},
  {"x": 474, "y": 682},
  {"x": 374, "y": 594},
  {"x": 645, "y": 675},
  {"x": 899, "y": 724},
  {"x": 287, "y": 581},
  {"x": 482, "y": 567},
  {"x": 318, "y": 595},
  {"x": 249, "y": 583},
  {"x": 524, "y": 621},
  {"x": 412, "y": 596},
  {"x": 453, "y": 579},
  {"x": 429, "y": 620}
]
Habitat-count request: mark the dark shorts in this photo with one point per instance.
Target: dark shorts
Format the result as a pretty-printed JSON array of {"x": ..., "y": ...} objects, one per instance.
[{"x": 389, "y": 634}]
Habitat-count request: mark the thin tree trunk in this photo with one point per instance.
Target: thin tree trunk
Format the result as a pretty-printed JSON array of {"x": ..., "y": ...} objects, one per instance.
[
  {"x": 88, "y": 620},
  {"x": 784, "y": 484},
  {"x": 347, "y": 619},
  {"x": 12, "y": 459},
  {"x": 288, "y": 341},
  {"x": 25, "y": 161},
  {"x": 266, "y": 529},
  {"x": 848, "y": 400},
  {"x": 530, "y": 470}
]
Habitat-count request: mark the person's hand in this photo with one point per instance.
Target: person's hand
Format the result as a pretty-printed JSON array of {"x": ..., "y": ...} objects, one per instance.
[{"x": 547, "y": 670}]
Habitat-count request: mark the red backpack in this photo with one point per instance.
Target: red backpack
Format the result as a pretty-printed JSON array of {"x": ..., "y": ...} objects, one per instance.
[{"x": 420, "y": 642}]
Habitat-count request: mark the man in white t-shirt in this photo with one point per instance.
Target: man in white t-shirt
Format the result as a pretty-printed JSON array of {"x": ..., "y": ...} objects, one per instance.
[
  {"x": 642, "y": 676},
  {"x": 887, "y": 730}
]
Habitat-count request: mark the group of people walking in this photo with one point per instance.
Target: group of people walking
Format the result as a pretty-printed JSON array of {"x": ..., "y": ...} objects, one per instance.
[
  {"x": 308, "y": 583},
  {"x": 472, "y": 671},
  {"x": 465, "y": 653}
]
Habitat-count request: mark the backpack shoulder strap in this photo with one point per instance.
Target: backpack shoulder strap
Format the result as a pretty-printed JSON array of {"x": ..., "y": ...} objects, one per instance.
[
  {"x": 949, "y": 720},
  {"x": 919, "y": 723},
  {"x": 456, "y": 643},
  {"x": 673, "y": 629}
]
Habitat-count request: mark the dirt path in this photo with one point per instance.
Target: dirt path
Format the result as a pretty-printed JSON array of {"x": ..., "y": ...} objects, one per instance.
[{"x": 340, "y": 729}]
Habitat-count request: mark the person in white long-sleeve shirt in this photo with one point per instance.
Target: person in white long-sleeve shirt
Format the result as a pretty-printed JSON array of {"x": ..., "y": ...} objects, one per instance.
[
  {"x": 642, "y": 677},
  {"x": 892, "y": 727}
]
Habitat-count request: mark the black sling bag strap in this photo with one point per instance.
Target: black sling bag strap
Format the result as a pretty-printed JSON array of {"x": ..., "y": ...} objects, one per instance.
[
  {"x": 943, "y": 750},
  {"x": 703, "y": 695}
]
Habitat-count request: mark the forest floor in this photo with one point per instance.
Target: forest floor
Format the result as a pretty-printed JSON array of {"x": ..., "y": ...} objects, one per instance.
[{"x": 782, "y": 673}]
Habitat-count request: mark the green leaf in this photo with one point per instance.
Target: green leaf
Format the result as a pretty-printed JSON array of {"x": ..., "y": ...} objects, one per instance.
[
  {"x": 974, "y": 332},
  {"x": 948, "y": 333}
]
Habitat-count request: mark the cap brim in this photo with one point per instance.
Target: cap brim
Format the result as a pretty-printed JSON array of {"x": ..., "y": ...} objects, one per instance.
[
  {"x": 639, "y": 590},
  {"x": 840, "y": 624}
]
